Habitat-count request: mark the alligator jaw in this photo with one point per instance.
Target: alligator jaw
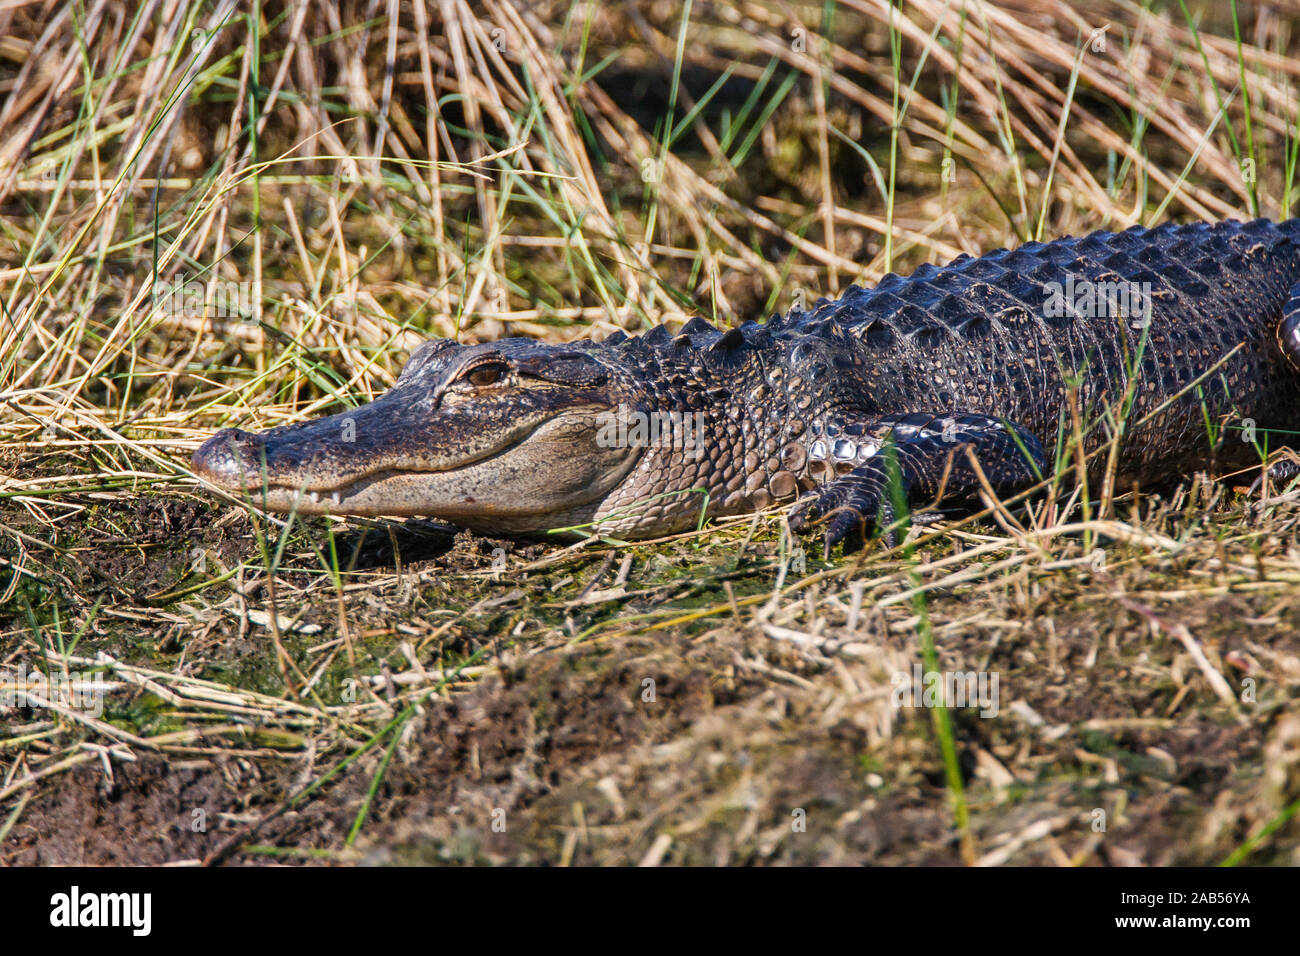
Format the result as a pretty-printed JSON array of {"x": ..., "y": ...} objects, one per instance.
[
  {"x": 514, "y": 488},
  {"x": 329, "y": 460}
]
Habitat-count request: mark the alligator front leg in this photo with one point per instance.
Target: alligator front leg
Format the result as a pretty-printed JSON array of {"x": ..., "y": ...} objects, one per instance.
[{"x": 927, "y": 458}]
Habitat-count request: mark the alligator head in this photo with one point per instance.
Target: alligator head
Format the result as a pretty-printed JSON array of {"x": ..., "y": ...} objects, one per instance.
[
  {"x": 498, "y": 437},
  {"x": 640, "y": 435}
]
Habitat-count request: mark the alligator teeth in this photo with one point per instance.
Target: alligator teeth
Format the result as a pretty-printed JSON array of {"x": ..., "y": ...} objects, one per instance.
[
  {"x": 313, "y": 496},
  {"x": 337, "y": 497}
]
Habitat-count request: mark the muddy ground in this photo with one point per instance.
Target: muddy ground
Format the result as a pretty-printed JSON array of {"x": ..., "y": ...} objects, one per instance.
[{"x": 528, "y": 706}]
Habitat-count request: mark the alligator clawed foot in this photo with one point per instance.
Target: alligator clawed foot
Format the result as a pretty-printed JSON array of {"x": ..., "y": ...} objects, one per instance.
[{"x": 849, "y": 510}]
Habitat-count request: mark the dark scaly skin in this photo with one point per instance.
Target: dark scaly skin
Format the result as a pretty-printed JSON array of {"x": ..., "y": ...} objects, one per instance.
[{"x": 902, "y": 383}]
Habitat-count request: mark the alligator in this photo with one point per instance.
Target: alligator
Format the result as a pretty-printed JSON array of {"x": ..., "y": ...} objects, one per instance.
[{"x": 1168, "y": 349}]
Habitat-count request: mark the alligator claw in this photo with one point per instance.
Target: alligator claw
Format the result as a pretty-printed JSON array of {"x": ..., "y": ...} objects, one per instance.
[
  {"x": 800, "y": 515},
  {"x": 851, "y": 507},
  {"x": 844, "y": 522}
]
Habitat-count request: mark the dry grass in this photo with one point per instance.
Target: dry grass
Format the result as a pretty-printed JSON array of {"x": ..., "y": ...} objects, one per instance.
[{"x": 375, "y": 173}]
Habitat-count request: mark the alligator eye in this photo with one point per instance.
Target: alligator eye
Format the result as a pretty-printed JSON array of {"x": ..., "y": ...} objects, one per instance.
[{"x": 486, "y": 375}]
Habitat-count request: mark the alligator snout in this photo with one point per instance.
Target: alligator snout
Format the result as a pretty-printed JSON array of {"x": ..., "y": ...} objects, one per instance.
[{"x": 231, "y": 459}]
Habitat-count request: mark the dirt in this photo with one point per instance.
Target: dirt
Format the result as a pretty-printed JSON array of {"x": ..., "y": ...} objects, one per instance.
[{"x": 741, "y": 749}]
